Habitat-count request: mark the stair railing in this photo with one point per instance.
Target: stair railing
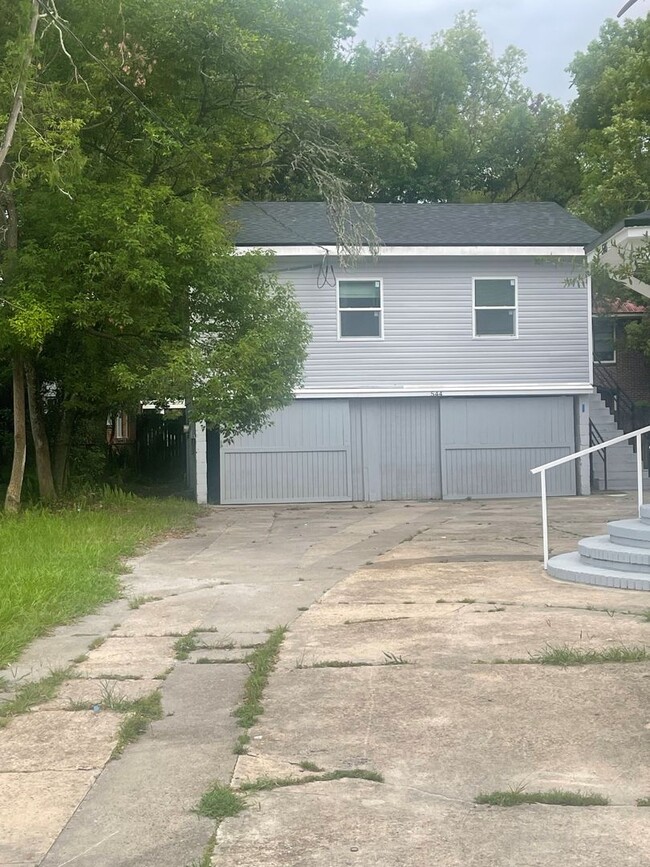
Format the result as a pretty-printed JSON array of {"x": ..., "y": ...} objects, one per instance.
[
  {"x": 623, "y": 407},
  {"x": 596, "y": 438},
  {"x": 542, "y": 470}
]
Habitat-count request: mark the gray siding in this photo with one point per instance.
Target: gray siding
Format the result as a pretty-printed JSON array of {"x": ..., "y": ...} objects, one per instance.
[
  {"x": 428, "y": 326},
  {"x": 489, "y": 445},
  {"x": 410, "y": 449}
]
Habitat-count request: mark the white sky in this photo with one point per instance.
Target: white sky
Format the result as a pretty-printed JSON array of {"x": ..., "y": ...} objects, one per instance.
[{"x": 549, "y": 31}]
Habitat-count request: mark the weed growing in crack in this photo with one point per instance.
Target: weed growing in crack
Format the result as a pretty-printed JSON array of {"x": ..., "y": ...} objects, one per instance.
[
  {"x": 138, "y": 601},
  {"x": 555, "y": 797},
  {"x": 185, "y": 645},
  {"x": 33, "y": 693},
  {"x": 266, "y": 784},
  {"x": 142, "y": 712},
  {"x": 261, "y": 663},
  {"x": 643, "y": 802},
  {"x": 220, "y": 802},
  {"x": 394, "y": 659},
  {"x": 96, "y": 642},
  {"x": 310, "y": 766}
]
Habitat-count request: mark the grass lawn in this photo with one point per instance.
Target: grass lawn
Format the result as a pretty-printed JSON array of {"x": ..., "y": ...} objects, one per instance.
[{"x": 58, "y": 565}]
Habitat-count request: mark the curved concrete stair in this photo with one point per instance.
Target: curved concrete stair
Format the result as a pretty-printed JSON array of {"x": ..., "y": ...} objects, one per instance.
[
  {"x": 571, "y": 567},
  {"x": 621, "y": 559}
]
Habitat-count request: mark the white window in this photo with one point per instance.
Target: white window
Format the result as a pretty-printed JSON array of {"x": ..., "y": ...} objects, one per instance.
[
  {"x": 360, "y": 309},
  {"x": 495, "y": 307}
]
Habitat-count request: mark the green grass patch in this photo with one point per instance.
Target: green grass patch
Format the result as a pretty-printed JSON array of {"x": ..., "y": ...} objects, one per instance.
[
  {"x": 643, "y": 802},
  {"x": 33, "y": 693},
  {"x": 220, "y": 802},
  {"x": 261, "y": 663},
  {"x": 266, "y": 784},
  {"x": 335, "y": 663},
  {"x": 59, "y": 565},
  {"x": 645, "y": 615},
  {"x": 141, "y": 713},
  {"x": 555, "y": 797}
]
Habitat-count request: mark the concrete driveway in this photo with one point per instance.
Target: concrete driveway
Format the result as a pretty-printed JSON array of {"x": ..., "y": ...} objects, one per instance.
[{"x": 453, "y": 596}]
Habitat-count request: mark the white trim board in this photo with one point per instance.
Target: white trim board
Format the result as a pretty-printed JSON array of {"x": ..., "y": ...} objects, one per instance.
[
  {"x": 449, "y": 390},
  {"x": 332, "y": 249}
]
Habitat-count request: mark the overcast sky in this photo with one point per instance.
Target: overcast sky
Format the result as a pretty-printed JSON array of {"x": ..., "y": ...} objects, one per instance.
[{"x": 549, "y": 31}]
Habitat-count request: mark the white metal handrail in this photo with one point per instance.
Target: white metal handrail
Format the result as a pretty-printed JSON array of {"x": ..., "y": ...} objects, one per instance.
[{"x": 600, "y": 447}]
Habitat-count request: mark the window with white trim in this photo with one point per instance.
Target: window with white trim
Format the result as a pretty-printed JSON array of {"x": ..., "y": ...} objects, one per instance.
[
  {"x": 495, "y": 307},
  {"x": 360, "y": 309}
]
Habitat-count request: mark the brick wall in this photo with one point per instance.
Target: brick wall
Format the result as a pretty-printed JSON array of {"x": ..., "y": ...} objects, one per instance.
[{"x": 631, "y": 370}]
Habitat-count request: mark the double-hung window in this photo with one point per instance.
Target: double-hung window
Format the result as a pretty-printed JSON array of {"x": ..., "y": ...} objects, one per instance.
[
  {"x": 360, "y": 309},
  {"x": 604, "y": 339},
  {"x": 495, "y": 307}
]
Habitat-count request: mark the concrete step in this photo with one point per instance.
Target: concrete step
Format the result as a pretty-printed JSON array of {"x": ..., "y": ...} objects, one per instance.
[
  {"x": 631, "y": 532},
  {"x": 645, "y": 513},
  {"x": 601, "y": 551},
  {"x": 570, "y": 567}
]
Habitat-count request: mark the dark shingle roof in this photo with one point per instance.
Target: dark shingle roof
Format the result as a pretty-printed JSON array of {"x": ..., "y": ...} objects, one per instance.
[{"x": 513, "y": 224}]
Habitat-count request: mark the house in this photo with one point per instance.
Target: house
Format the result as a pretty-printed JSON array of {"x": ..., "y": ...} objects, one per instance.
[{"x": 448, "y": 357}]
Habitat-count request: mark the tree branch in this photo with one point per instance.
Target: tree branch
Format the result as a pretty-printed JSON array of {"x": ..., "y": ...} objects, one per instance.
[{"x": 19, "y": 94}]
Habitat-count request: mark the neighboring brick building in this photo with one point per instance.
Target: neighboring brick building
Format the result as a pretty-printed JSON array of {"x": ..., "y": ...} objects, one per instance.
[{"x": 628, "y": 367}]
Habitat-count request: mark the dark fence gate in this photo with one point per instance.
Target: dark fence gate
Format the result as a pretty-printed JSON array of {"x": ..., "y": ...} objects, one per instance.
[{"x": 161, "y": 447}]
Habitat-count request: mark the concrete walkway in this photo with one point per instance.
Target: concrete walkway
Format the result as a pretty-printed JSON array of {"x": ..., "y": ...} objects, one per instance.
[
  {"x": 440, "y": 728},
  {"x": 245, "y": 571}
]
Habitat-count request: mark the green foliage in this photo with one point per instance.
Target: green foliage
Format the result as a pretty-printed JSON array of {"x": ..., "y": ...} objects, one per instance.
[
  {"x": 56, "y": 566},
  {"x": 141, "y": 712},
  {"x": 33, "y": 693},
  {"x": 220, "y": 802},
  {"x": 555, "y": 797},
  {"x": 612, "y": 116}
]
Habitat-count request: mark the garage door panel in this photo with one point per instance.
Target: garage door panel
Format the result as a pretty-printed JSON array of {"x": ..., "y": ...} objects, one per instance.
[
  {"x": 304, "y": 456},
  {"x": 503, "y": 472}
]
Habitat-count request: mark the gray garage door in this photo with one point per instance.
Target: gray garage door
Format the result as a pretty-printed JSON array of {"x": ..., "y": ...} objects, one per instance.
[
  {"x": 303, "y": 457},
  {"x": 489, "y": 445}
]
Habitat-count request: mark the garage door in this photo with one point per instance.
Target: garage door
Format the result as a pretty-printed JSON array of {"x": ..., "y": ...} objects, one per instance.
[
  {"x": 303, "y": 457},
  {"x": 489, "y": 445}
]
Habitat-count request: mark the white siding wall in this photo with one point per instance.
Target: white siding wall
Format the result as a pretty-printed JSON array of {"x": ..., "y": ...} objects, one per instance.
[{"x": 428, "y": 330}]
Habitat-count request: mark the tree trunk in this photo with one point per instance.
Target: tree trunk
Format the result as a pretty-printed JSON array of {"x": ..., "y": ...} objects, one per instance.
[
  {"x": 39, "y": 435},
  {"x": 62, "y": 450},
  {"x": 15, "y": 488}
]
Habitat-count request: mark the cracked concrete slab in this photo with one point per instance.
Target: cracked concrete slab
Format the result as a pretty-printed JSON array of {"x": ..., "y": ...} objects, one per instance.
[
  {"x": 98, "y": 692},
  {"x": 33, "y": 809},
  {"x": 353, "y": 823},
  {"x": 129, "y": 657},
  {"x": 58, "y": 741}
]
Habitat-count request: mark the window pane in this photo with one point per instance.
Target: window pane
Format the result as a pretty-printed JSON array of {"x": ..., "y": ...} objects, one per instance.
[
  {"x": 604, "y": 342},
  {"x": 359, "y": 293},
  {"x": 495, "y": 293},
  {"x": 360, "y": 323},
  {"x": 495, "y": 322}
]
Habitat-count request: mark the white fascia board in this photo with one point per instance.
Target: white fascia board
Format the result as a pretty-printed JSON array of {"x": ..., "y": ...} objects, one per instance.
[
  {"x": 312, "y": 250},
  {"x": 448, "y": 390}
]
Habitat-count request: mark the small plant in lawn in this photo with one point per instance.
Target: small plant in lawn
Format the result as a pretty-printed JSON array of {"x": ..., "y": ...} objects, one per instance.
[
  {"x": 141, "y": 713},
  {"x": 220, "y": 802},
  {"x": 555, "y": 797}
]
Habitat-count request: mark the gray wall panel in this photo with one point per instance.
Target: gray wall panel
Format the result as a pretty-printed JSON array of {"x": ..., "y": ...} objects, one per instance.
[
  {"x": 303, "y": 456},
  {"x": 428, "y": 335},
  {"x": 410, "y": 449},
  {"x": 489, "y": 445}
]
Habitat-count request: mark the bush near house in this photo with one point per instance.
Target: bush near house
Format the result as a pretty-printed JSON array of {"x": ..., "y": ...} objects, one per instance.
[{"x": 59, "y": 565}]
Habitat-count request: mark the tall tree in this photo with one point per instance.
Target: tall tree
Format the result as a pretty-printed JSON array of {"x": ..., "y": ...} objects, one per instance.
[{"x": 134, "y": 121}]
